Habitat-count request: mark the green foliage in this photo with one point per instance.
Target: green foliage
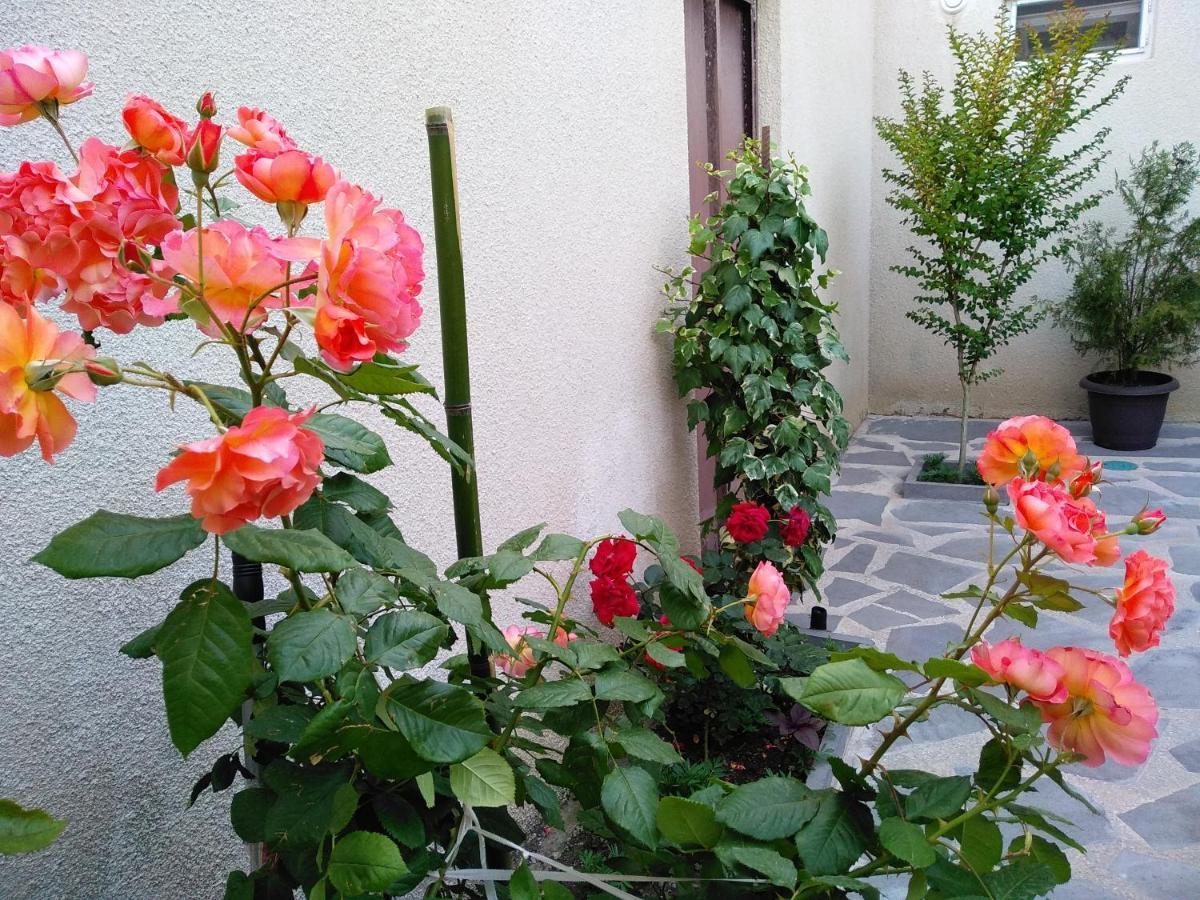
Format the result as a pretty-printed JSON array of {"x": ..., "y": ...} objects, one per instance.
[
  {"x": 753, "y": 340},
  {"x": 1136, "y": 297},
  {"x": 936, "y": 468},
  {"x": 112, "y": 545},
  {"x": 26, "y": 830},
  {"x": 985, "y": 183}
]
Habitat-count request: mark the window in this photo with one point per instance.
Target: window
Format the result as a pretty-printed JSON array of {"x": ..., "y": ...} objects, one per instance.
[{"x": 1126, "y": 22}]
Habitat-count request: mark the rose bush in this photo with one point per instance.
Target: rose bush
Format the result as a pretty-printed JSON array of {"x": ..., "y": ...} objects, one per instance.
[{"x": 370, "y": 746}]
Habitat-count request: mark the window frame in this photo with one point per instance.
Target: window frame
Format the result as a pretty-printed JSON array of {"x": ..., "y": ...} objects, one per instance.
[{"x": 1127, "y": 54}]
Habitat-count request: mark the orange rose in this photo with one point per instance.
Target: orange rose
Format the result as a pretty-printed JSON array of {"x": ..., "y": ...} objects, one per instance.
[
  {"x": 1144, "y": 603},
  {"x": 1035, "y": 440},
  {"x": 155, "y": 130},
  {"x": 291, "y": 176}
]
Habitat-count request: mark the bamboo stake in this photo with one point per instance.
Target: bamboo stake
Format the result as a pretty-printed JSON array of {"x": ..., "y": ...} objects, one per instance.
[{"x": 455, "y": 360}]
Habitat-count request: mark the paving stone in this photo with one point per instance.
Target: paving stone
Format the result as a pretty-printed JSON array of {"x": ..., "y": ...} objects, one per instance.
[
  {"x": 939, "y": 511},
  {"x": 945, "y": 722},
  {"x": 1170, "y": 822},
  {"x": 1171, "y": 677},
  {"x": 1188, "y": 755},
  {"x": 1185, "y": 559},
  {"x": 1086, "y": 827},
  {"x": 923, "y": 641},
  {"x": 916, "y": 606},
  {"x": 1184, "y": 485},
  {"x": 1171, "y": 465},
  {"x": 857, "y": 505},
  {"x": 970, "y": 547},
  {"x": 1084, "y": 889},
  {"x": 856, "y": 475},
  {"x": 919, "y": 572},
  {"x": 1182, "y": 450},
  {"x": 1125, "y": 500},
  {"x": 1111, "y": 771},
  {"x": 841, "y": 591},
  {"x": 1156, "y": 877},
  {"x": 887, "y": 537},
  {"x": 878, "y": 458},
  {"x": 880, "y": 617},
  {"x": 856, "y": 560}
]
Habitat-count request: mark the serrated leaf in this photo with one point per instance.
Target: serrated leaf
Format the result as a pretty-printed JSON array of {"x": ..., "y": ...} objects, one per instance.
[
  {"x": 963, "y": 673},
  {"x": 444, "y": 723},
  {"x": 768, "y": 809},
  {"x": 851, "y": 692},
  {"x": 26, "y": 830},
  {"x": 734, "y": 663},
  {"x": 906, "y": 841},
  {"x": 940, "y": 798},
  {"x": 687, "y": 822},
  {"x": 553, "y": 694},
  {"x": 645, "y": 744},
  {"x": 405, "y": 639},
  {"x": 310, "y": 803},
  {"x": 356, "y": 493},
  {"x": 206, "y": 652},
  {"x": 141, "y": 646},
  {"x": 248, "y": 813},
  {"x": 302, "y": 550},
  {"x": 1022, "y": 879},
  {"x": 622, "y": 684},
  {"x": 457, "y": 603},
  {"x": 310, "y": 645},
  {"x": 831, "y": 841},
  {"x": 485, "y": 779},
  {"x": 630, "y": 798},
  {"x": 349, "y": 444},
  {"x": 981, "y": 843},
  {"x": 364, "y": 861},
  {"x": 111, "y": 545},
  {"x": 558, "y": 547},
  {"x": 361, "y": 592}
]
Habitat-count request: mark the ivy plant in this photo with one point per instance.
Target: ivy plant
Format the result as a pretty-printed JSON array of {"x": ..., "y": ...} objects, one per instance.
[{"x": 753, "y": 342}]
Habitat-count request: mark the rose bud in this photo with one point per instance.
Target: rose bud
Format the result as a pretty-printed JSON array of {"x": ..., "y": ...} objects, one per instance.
[
  {"x": 203, "y": 147},
  {"x": 103, "y": 370},
  {"x": 206, "y": 106},
  {"x": 1149, "y": 521}
]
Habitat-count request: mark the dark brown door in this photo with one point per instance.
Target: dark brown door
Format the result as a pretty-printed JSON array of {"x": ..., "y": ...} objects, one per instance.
[{"x": 722, "y": 108}]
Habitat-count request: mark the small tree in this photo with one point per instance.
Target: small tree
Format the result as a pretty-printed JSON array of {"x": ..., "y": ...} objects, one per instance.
[
  {"x": 1136, "y": 298},
  {"x": 985, "y": 184}
]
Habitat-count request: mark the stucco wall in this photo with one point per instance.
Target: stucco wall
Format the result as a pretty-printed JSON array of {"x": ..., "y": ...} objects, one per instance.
[
  {"x": 825, "y": 111},
  {"x": 573, "y": 173},
  {"x": 910, "y": 371}
]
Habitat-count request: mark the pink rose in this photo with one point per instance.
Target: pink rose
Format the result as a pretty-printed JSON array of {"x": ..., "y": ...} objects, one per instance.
[
  {"x": 1106, "y": 713},
  {"x": 32, "y": 351},
  {"x": 1024, "y": 668},
  {"x": 1043, "y": 443},
  {"x": 290, "y": 176},
  {"x": 155, "y": 130},
  {"x": 263, "y": 468},
  {"x": 1144, "y": 603},
  {"x": 261, "y": 132},
  {"x": 517, "y": 662},
  {"x": 31, "y": 77},
  {"x": 767, "y": 599},
  {"x": 1073, "y": 528}
]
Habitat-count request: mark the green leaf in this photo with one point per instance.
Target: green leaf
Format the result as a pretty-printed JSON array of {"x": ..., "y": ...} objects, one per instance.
[
  {"x": 363, "y": 861},
  {"x": 878, "y": 660},
  {"x": 248, "y": 814},
  {"x": 1048, "y": 853},
  {"x": 349, "y": 444},
  {"x": 630, "y": 798},
  {"x": 400, "y": 820},
  {"x": 852, "y": 693},
  {"x": 938, "y": 799},
  {"x": 360, "y": 592},
  {"x": 457, "y": 603},
  {"x": 404, "y": 640},
  {"x": 768, "y": 809},
  {"x": 310, "y": 803},
  {"x": 863, "y": 888},
  {"x": 206, "y": 652},
  {"x": 734, "y": 663},
  {"x": 963, "y": 673},
  {"x": 310, "y": 645},
  {"x": 993, "y": 763},
  {"x": 622, "y": 684},
  {"x": 835, "y": 836},
  {"x": 665, "y": 656},
  {"x": 645, "y": 744},
  {"x": 643, "y": 527},
  {"x": 553, "y": 694},
  {"x": 386, "y": 376},
  {"x": 545, "y": 799},
  {"x": 593, "y": 654},
  {"x": 1019, "y": 719},
  {"x": 443, "y": 722},
  {"x": 522, "y": 885},
  {"x": 302, "y": 550},
  {"x": 906, "y": 841},
  {"x": 778, "y": 869},
  {"x": 486, "y": 779},
  {"x": 388, "y": 754},
  {"x": 26, "y": 830},
  {"x": 352, "y": 490},
  {"x": 107, "y": 544},
  {"x": 1022, "y": 879},
  {"x": 687, "y": 822},
  {"x": 522, "y": 540},
  {"x": 558, "y": 547},
  {"x": 981, "y": 843},
  {"x": 141, "y": 646},
  {"x": 283, "y": 723}
]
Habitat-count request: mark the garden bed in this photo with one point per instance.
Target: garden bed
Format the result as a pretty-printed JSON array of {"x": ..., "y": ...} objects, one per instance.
[{"x": 917, "y": 486}]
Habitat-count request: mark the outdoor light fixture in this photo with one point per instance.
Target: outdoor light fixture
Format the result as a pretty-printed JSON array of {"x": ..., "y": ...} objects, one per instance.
[{"x": 953, "y": 7}]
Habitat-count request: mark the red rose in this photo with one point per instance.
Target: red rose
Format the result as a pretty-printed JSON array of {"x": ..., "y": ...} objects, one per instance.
[
  {"x": 613, "y": 559},
  {"x": 613, "y": 597},
  {"x": 747, "y": 522},
  {"x": 795, "y": 530}
]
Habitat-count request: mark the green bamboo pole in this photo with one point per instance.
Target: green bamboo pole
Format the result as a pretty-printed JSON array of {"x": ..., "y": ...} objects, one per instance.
[{"x": 455, "y": 360}]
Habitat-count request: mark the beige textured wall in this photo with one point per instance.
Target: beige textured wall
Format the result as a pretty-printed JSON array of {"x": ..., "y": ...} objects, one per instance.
[
  {"x": 825, "y": 120},
  {"x": 572, "y": 147},
  {"x": 910, "y": 371}
]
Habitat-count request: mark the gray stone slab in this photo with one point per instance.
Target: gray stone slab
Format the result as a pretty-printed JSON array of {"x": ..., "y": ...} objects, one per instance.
[
  {"x": 1170, "y": 822},
  {"x": 1185, "y": 559},
  {"x": 923, "y": 641},
  {"x": 877, "y": 458},
  {"x": 1183, "y": 485},
  {"x": 841, "y": 591},
  {"x": 1156, "y": 877},
  {"x": 1172, "y": 677},
  {"x": 945, "y": 722},
  {"x": 858, "y": 475},
  {"x": 1085, "y": 889},
  {"x": 880, "y": 617},
  {"x": 857, "y": 505},
  {"x": 971, "y": 547},
  {"x": 1171, "y": 465},
  {"x": 1087, "y": 827},
  {"x": 1190, "y": 450},
  {"x": 1173, "y": 430},
  {"x": 1188, "y": 755},
  {"x": 856, "y": 560},
  {"x": 887, "y": 537},
  {"x": 914, "y": 571},
  {"x": 1110, "y": 771},
  {"x": 910, "y": 603},
  {"x": 939, "y": 511}
]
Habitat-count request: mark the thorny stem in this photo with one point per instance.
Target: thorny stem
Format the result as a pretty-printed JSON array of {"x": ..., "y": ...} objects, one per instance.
[{"x": 52, "y": 118}]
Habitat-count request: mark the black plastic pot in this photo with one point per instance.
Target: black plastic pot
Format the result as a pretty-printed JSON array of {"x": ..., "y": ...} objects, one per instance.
[{"x": 1127, "y": 408}]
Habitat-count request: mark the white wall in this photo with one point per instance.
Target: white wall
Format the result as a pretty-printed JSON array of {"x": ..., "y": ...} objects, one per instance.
[
  {"x": 825, "y": 118},
  {"x": 572, "y": 152},
  {"x": 910, "y": 370}
]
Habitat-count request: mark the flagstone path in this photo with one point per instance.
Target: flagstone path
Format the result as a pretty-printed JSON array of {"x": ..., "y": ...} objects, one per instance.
[{"x": 894, "y": 556}]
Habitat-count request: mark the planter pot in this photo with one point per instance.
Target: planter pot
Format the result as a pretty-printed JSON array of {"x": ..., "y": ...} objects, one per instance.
[{"x": 1127, "y": 417}]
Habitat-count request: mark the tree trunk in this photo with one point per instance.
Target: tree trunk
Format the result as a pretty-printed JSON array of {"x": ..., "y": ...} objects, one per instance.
[{"x": 962, "y": 426}]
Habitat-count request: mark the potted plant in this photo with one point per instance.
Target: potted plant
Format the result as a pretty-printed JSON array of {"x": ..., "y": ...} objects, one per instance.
[{"x": 1136, "y": 298}]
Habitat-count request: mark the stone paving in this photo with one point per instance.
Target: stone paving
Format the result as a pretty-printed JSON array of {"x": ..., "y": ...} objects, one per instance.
[{"x": 894, "y": 556}]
